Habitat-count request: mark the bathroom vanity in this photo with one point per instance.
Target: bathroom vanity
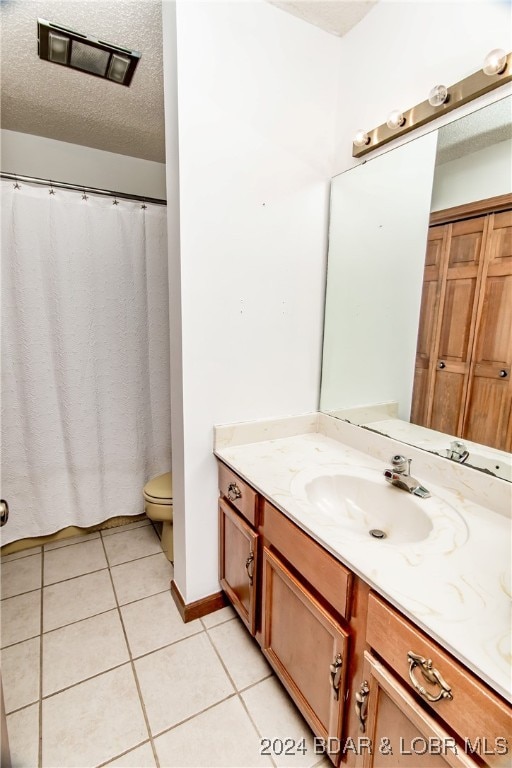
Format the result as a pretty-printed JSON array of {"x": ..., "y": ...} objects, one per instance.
[{"x": 394, "y": 650}]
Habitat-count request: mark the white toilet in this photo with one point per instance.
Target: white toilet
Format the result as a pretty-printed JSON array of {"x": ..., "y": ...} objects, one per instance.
[{"x": 158, "y": 507}]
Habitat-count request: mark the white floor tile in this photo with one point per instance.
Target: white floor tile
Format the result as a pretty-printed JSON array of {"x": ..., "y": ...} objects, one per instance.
[
  {"x": 125, "y": 527},
  {"x": 23, "y": 733},
  {"x": 74, "y": 653},
  {"x": 20, "y": 674},
  {"x": 180, "y": 681},
  {"x": 129, "y": 545},
  {"x": 93, "y": 722},
  {"x": 69, "y": 601},
  {"x": 240, "y": 653},
  {"x": 142, "y": 757},
  {"x": 218, "y": 617},
  {"x": 80, "y": 539},
  {"x": 277, "y": 719},
  {"x": 21, "y": 617},
  {"x": 142, "y": 578},
  {"x": 75, "y": 560},
  {"x": 22, "y": 575},
  {"x": 222, "y": 737},
  {"x": 154, "y": 622},
  {"x": 21, "y": 553}
]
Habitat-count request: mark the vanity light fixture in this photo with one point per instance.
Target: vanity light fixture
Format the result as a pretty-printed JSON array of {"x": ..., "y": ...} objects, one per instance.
[
  {"x": 496, "y": 71},
  {"x": 395, "y": 120},
  {"x": 64, "y": 46},
  {"x": 495, "y": 62},
  {"x": 361, "y": 139}
]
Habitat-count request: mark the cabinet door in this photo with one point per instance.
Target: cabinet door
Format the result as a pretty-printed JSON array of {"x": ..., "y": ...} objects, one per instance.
[
  {"x": 488, "y": 417},
  {"x": 395, "y": 731},
  {"x": 307, "y": 648},
  {"x": 238, "y": 563}
]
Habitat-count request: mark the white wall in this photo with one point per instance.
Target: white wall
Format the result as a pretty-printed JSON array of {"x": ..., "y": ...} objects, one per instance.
[
  {"x": 44, "y": 158},
  {"x": 257, "y": 93},
  {"x": 400, "y": 50},
  {"x": 477, "y": 176}
]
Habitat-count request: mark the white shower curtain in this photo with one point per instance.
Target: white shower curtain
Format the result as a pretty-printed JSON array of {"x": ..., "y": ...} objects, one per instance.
[{"x": 85, "y": 357}]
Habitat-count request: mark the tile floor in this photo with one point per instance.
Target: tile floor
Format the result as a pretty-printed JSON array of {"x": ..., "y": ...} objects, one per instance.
[{"x": 99, "y": 670}]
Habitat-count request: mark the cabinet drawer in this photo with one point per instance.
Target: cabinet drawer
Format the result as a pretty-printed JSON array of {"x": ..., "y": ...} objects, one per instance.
[
  {"x": 473, "y": 713},
  {"x": 241, "y": 495},
  {"x": 325, "y": 574}
]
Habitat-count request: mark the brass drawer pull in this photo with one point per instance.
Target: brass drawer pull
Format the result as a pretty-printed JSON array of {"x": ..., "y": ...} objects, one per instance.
[
  {"x": 335, "y": 669},
  {"x": 362, "y": 705},
  {"x": 249, "y": 567},
  {"x": 234, "y": 492},
  {"x": 430, "y": 674}
]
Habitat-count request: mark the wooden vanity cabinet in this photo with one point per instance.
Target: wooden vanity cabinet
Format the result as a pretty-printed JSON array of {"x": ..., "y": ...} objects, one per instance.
[
  {"x": 395, "y": 731},
  {"x": 355, "y": 667},
  {"x": 420, "y": 692}
]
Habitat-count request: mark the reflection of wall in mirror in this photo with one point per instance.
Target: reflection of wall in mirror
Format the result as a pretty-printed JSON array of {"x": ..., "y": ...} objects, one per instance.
[{"x": 475, "y": 176}]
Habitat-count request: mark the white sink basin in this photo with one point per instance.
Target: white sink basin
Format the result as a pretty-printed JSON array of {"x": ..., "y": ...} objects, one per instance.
[{"x": 365, "y": 506}]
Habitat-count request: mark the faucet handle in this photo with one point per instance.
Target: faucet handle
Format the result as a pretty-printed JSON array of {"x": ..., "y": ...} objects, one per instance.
[{"x": 401, "y": 464}]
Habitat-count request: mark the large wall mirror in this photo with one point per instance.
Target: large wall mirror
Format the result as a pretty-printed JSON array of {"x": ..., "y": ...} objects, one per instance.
[{"x": 418, "y": 317}]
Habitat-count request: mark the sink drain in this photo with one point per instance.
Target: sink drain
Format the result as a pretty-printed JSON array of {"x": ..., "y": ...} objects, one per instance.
[{"x": 377, "y": 533}]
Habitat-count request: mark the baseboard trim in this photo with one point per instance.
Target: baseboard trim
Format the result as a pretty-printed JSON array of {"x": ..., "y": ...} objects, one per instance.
[{"x": 199, "y": 608}]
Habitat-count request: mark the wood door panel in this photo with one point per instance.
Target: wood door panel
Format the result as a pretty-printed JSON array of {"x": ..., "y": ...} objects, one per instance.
[
  {"x": 494, "y": 338},
  {"x": 238, "y": 543},
  {"x": 488, "y": 412},
  {"x": 420, "y": 396},
  {"x": 301, "y": 640},
  {"x": 456, "y": 320},
  {"x": 466, "y": 242},
  {"x": 435, "y": 243},
  {"x": 447, "y": 402},
  {"x": 501, "y": 242},
  {"x": 429, "y": 299}
]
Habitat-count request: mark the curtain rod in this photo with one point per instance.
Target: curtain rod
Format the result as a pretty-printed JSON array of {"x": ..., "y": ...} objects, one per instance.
[{"x": 81, "y": 188}]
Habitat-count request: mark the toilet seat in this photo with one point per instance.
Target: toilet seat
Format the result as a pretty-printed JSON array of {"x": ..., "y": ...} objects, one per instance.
[
  {"x": 158, "y": 490},
  {"x": 158, "y": 506}
]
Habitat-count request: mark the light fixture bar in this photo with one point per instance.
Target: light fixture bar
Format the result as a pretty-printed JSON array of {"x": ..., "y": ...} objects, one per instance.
[
  {"x": 72, "y": 49},
  {"x": 461, "y": 93}
]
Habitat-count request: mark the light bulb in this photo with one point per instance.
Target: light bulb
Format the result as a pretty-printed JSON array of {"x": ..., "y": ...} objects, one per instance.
[
  {"x": 361, "y": 139},
  {"x": 438, "y": 95},
  {"x": 495, "y": 62},
  {"x": 395, "y": 120}
]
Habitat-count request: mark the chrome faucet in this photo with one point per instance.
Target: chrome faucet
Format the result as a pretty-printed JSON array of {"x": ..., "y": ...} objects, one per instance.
[
  {"x": 457, "y": 451},
  {"x": 400, "y": 476}
]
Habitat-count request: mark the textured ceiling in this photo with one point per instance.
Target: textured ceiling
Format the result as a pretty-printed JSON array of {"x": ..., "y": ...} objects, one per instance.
[
  {"x": 335, "y": 16},
  {"x": 45, "y": 99},
  {"x": 478, "y": 130}
]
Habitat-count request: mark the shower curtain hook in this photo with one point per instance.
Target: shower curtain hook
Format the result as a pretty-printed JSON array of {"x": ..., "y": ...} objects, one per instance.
[
  {"x": 51, "y": 190},
  {"x": 84, "y": 195},
  {"x": 16, "y": 185},
  {"x": 115, "y": 201},
  {"x": 143, "y": 206}
]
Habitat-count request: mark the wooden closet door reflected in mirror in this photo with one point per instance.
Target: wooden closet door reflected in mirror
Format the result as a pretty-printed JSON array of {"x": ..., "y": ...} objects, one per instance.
[{"x": 462, "y": 382}]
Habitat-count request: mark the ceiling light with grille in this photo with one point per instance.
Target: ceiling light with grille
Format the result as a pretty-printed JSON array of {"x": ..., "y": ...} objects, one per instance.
[{"x": 75, "y": 50}]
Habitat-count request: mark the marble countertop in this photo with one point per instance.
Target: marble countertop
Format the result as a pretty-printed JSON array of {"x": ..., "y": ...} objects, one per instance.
[{"x": 456, "y": 584}]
